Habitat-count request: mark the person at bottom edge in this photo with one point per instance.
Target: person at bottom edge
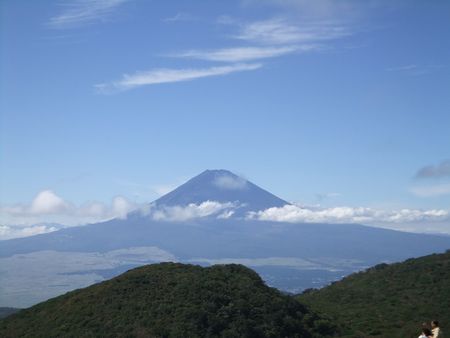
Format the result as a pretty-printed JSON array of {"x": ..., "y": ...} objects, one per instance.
[
  {"x": 426, "y": 333},
  {"x": 436, "y": 330}
]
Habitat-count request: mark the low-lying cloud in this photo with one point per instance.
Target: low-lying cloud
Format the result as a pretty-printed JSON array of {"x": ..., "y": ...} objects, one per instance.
[
  {"x": 192, "y": 211},
  {"x": 49, "y": 212},
  {"x": 300, "y": 214},
  {"x": 17, "y": 231},
  {"x": 22, "y": 220}
]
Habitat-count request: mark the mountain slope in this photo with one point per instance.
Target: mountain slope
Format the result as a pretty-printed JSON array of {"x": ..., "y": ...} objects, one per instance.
[
  {"x": 221, "y": 186},
  {"x": 171, "y": 300},
  {"x": 388, "y": 300}
]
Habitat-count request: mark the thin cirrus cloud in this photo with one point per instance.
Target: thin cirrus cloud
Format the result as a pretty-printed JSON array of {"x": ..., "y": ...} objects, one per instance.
[
  {"x": 180, "y": 16},
  {"x": 324, "y": 9},
  {"x": 265, "y": 39},
  {"x": 240, "y": 54},
  {"x": 158, "y": 76},
  {"x": 279, "y": 31},
  {"x": 273, "y": 38},
  {"x": 82, "y": 12}
]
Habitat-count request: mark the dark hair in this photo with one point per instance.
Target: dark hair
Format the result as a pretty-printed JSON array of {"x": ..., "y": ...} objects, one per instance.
[
  {"x": 435, "y": 322},
  {"x": 426, "y": 332}
]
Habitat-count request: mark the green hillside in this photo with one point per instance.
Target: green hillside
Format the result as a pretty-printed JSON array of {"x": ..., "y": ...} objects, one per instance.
[
  {"x": 388, "y": 300},
  {"x": 170, "y": 300}
]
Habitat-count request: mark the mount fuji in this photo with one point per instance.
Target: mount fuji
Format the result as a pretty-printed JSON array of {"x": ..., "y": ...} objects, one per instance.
[
  {"x": 201, "y": 222},
  {"x": 224, "y": 187}
]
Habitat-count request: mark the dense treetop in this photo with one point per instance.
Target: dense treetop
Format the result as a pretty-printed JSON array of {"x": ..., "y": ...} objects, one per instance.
[
  {"x": 388, "y": 300},
  {"x": 171, "y": 300}
]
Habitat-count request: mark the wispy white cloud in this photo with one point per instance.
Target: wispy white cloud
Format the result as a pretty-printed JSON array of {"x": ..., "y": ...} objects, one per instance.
[
  {"x": 324, "y": 9},
  {"x": 415, "y": 69},
  {"x": 226, "y": 214},
  {"x": 81, "y": 12},
  {"x": 241, "y": 54},
  {"x": 270, "y": 38},
  {"x": 301, "y": 214},
  {"x": 180, "y": 16},
  {"x": 158, "y": 76},
  {"x": 280, "y": 31},
  {"x": 402, "y": 68},
  {"x": 266, "y": 39}
]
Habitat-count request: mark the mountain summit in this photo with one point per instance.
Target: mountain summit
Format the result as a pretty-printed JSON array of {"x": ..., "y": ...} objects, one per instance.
[{"x": 221, "y": 186}]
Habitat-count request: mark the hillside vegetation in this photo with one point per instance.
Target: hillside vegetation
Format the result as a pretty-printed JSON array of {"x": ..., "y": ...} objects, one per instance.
[
  {"x": 388, "y": 300},
  {"x": 171, "y": 300}
]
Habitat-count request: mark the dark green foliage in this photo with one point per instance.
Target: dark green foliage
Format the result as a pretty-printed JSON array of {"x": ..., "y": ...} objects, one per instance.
[
  {"x": 171, "y": 300},
  {"x": 388, "y": 300}
]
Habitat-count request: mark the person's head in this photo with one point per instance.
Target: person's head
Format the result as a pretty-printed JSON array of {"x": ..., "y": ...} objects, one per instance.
[
  {"x": 426, "y": 332},
  {"x": 434, "y": 323}
]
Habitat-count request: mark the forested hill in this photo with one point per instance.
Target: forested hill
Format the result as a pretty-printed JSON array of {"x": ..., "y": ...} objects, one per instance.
[
  {"x": 388, "y": 300},
  {"x": 171, "y": 300}
]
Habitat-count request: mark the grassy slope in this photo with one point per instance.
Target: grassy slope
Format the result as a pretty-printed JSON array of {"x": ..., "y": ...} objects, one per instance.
[
  {"x": 388, "y": 300},
  {"x": 170, "y": 300}
]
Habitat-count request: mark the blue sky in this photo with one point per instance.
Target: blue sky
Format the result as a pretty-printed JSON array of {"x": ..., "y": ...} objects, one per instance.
[{"x": 337, "y": 103}]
